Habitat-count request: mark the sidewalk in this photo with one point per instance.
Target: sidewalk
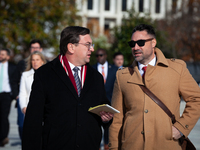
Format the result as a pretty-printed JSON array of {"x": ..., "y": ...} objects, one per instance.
[{"x": 15, "y": 143}]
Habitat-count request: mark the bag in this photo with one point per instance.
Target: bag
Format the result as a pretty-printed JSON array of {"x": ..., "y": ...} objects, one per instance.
[{"x": 185, "y": 143}]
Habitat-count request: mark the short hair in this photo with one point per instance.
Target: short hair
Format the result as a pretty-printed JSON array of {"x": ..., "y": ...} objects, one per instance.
[
  {"x": 28, "y": 60},
  {"x": 71, "y": 35},
  {"x": 116, "y": 54},
  {"x": 148, "y": 28},
  {"x": 7, "y": 50},
  {"x": 101, "y": 49},
  {"x": 35, "y": 41}
]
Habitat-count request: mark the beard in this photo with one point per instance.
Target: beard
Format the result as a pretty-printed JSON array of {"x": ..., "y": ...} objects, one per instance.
[{"x": 2, "y": 59}]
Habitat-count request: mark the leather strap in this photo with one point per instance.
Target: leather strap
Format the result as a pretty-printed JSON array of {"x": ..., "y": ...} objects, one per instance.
[
  {"x": 158, "y": 102},
  {"x": 155, "y": 99}
]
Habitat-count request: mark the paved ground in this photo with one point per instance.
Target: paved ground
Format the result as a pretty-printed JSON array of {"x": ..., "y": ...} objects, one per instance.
[{"x": 15, "y": 143}]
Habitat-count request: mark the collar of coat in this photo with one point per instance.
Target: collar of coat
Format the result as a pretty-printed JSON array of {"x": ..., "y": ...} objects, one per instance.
[
  {"x": 136, "y": 78},
  {"x": 30, "y": 72}
]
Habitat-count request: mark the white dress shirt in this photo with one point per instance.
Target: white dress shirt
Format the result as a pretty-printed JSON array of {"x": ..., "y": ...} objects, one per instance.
[
  {"x": 99, "y": 68},
  {"x": 5, "y": 83},
  {"x": 25, "y": 87},
  {"x": 152, "y": 63},
  {"x": 72, "y": 67}
]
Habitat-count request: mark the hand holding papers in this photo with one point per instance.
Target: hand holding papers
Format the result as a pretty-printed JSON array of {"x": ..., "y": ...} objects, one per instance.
[{"x": 103, "y": 107}]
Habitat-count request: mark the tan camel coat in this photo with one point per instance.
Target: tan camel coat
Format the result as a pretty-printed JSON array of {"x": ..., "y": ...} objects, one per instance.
[{"x": 142, "y": 124}]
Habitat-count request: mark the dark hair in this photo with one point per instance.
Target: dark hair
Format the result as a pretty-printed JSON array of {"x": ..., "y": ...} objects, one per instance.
[
  {"x": 101, "y": 49},
  {"x": 148, "y": 28},
  {"x": 7, "y": 50},
  {"x": 116, "y": 54},
  {"x": 71, "y": 35},
  {"x": 35, "y": 41}
]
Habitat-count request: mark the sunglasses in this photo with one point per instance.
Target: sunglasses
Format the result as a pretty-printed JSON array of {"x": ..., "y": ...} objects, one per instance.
[
  {"x": 97, "y": 55},
  {"x": 139, "y": 42}
]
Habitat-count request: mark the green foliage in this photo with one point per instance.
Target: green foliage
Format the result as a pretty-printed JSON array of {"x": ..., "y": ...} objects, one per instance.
[{"x": 24, "y": 20}]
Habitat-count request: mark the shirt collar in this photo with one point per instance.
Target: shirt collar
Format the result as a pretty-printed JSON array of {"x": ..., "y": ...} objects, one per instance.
[
  {"x": 105, "y": 64},
  {"x": 152, "y": 63},
  {"x": 72, "y": 66}
]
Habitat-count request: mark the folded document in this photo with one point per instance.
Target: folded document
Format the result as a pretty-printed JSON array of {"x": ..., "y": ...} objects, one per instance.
[{"x": 103, "y": 107}]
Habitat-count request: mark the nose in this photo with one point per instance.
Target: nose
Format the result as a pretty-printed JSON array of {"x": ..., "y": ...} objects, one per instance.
[
  {"x": 92, "y": 49},
  {"x": 136, "y": 46}
]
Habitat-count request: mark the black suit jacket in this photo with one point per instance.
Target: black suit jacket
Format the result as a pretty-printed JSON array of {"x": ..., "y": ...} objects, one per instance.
[
  {"x": 11, "y": 69},
  {"x": 56, "y": 118},
  {"x": 17, "y": 76},
  {"x": 112, "y": 69}
]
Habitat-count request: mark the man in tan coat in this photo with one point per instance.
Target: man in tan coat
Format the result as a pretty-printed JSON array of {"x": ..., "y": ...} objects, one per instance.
[{"x": 142, "y": 124}]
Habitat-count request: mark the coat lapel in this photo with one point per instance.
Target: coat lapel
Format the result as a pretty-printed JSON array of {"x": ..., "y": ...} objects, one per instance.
[
  {"x": 135, "y": 78},
  {"x": 109, "y": 74},
  {"x": 88, "y": 80},
  {"x": 59, "y": 70}
]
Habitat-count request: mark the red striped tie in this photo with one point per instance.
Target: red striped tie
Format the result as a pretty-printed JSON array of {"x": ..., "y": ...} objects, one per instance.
[{"x": 144, "y": 69}]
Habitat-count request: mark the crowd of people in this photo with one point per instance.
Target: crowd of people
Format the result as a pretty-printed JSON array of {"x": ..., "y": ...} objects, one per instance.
[{"x": 53, "y": 97}]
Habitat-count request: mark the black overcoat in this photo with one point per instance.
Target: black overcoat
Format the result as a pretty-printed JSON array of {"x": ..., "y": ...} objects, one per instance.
[{"x": 56, "y": 118}]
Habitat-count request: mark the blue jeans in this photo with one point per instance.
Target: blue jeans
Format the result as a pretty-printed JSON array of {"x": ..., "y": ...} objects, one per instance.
[{"x": 20, "y": 119}]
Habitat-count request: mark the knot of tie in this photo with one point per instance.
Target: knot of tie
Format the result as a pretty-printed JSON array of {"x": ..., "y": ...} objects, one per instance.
[
  {"x": 75, "y": 69},
  {"x": 144, "y": 69},
  {"x": 77, "y": 80}
]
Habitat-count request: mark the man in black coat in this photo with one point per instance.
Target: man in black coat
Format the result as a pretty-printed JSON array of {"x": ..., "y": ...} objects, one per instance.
[
  {"x": 6, "y": 96},
  {"x": 63, "y": 90}
]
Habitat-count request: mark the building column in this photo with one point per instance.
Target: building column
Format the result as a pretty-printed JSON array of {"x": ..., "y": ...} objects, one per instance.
[{"x": 101, "y": 17}]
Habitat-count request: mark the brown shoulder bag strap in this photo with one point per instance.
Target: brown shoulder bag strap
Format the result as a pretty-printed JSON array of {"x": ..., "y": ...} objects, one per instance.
[
  {"x": 158, "y": 102},
  {"x": 155, "y": 99}
]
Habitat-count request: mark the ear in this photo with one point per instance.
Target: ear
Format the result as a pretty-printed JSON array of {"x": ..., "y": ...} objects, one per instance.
[
  {"x": 154, "y": 42},
  {"x": 71, "y": 47},
  {"x": 8, "y": 57}
]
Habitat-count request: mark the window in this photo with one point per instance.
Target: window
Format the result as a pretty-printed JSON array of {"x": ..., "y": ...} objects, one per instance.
[
  {"x": 124, "y": 5},
  {"x": 157, "y": 6},
  {"x": 106, "y": 29},
  {"x": 141, "y": 5},
  {"x": 174, "y": 5},
  {"x": 107, "y": 4},
  {"x": 90, "y": 4}
]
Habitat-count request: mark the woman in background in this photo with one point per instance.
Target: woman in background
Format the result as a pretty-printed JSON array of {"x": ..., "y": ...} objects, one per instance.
[{"x": 34, "y": 61}]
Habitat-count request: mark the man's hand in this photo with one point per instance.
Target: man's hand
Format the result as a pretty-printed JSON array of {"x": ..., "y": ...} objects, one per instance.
[
  {"x": 24, "y": 110},
  {"x": 106, "y": 116},
  {"x": 175, "y": 133}
]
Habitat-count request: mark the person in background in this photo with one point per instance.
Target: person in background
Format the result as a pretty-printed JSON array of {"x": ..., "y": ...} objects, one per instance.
[
  {"x": 108, "y": 72},
  {"x": 63, "y": 90},
  {"x": 118, "y": 59},
  {"x": 35, "y": 45},
  {"x": 142, "y": 124},
  {"x": 6, "y": 95},
  {"x": 34, "y": 61}
]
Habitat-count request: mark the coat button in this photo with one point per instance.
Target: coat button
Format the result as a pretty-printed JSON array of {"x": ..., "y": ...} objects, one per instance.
[
  {"x": 109, "y": 144},
  {"x": 186, "y": 126},
  {"x": 142, "y": 132},
  {"x": 146, "y": 110}
]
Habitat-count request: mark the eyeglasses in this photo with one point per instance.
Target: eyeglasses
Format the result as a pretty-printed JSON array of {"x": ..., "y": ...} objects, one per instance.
[
  {"x": 89, "y": 46},
  {"x": 97, "y": 55},
  {"x": 139, "y": 42}
]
